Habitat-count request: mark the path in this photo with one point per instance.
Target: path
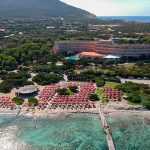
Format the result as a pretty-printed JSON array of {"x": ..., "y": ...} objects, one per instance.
[
  {"x": 136, "y": 81},
  {"x": 107, "y": 131},
  {"x": 65, "y": 77}
]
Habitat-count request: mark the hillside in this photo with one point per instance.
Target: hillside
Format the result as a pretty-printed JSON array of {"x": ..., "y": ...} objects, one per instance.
[{"x": 40, "y": 8}]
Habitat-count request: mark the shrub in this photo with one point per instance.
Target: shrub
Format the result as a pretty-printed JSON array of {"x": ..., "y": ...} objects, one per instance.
[
  {"x": 130, "y": 87},
  {"x": 146, "y": 101},
  {"x": 94, "y": 97},
  {"x": 99, "y": 82},
  {"x": 63, "y": 91},
  {"x": 134, "y": 98},
  {"x": 32, "y": 101},
  {"x": 73, "y": 89},
  {"x": 18, "y": 101},
  {"x": 146, "y": 104}
]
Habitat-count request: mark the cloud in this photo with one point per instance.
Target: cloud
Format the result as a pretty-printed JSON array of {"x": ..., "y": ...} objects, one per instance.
[{"x": 113, "y": 7}]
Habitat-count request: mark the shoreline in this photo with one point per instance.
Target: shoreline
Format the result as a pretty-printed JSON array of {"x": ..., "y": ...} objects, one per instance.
[
  {"x": 132, "y": 112},
  {"x": 61, "y": 112},
  {"x": 46, "y": 112}
]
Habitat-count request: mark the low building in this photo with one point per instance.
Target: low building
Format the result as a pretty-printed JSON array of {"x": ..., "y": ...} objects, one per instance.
[
  {"x": 111, "y": 57},
  {"x": 28, "y": 90}
]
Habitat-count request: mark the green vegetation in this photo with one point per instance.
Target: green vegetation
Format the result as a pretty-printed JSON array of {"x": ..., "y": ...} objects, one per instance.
[
  {"x": 99, "y": 92},
  {"x": 133, "y": 28},
  {"x": 74, "y": 89},
  {"x": 128, "y": 70},
  {"x": 32, "y": 101},
  {"x": 64, "y": 91},
  {"x": 45, "y": 79},
  {"x": 130, "y": 87},
  {"x": 5, "y": 88},
  {"x": 137, "y": 93},
  {"x": 134, "y": 98},
  {"x": 18, "y": 101},
  {"x": 48, "y": 8},
  {"x": 94, "y": 97},
  {"x": 112, "y": 84},
  {"x": 99, "y": 82},
  {"x": 7, "y": 62},
  {"x": 67, "y": 91},
  {"x": 11, "y": 80},
  {"x": 28, "y": 52},
  {"x": 146, "y": 102}
]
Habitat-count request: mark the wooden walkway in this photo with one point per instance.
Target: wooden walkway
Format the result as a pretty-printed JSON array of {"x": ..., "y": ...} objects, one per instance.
[{"x": 107, "y": 131}]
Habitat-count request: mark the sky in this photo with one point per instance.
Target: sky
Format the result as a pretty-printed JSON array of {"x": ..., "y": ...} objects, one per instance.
[{"x": 113, "y": 7}]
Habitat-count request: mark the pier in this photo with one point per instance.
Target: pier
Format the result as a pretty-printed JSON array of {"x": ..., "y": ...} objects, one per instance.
[{"x": 107, "y": 131}]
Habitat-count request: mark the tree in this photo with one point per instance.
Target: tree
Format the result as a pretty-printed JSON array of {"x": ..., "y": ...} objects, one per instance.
[
  {"x": 45, "y": 79},
  {"x": 5, "y": 87},
  {"x": 14, "y": 80},
  {"x": 32, "y": 101},
  {"x": 73, "y": 89},
  {"x": 18, "y": 101},
  {"x": 94, "y": 97},
  {"x": 63, "y": 91},
  {"x": 8, "y": 62},
  {"x": 99, "y": 82}
]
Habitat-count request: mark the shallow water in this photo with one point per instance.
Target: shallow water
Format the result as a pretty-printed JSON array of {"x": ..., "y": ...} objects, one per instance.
[
  {"x": 73, "y": 132},
  {"x": 130, "y": 131}
]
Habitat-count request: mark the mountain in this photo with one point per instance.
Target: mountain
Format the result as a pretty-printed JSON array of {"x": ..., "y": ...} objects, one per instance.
[{"x": 40, "y": 8}]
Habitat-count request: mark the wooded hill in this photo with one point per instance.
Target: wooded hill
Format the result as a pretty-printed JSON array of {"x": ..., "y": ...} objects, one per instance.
[{"x": 40, "y": 8}]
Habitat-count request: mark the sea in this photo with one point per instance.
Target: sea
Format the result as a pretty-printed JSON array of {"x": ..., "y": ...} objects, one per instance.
[
  {"x": 74, "y": 132},
  {"x": 145, "y": 19},
  {"x": 130, "y": 131},
  {"x": 71, "y": 132}
]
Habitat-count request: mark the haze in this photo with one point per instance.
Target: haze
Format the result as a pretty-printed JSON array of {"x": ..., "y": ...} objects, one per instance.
[{"x": 113, "y": 7}]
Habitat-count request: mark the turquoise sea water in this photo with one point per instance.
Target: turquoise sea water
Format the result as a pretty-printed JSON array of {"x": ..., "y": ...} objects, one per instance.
[
  {"x": 130, "y": 131},
  {"x": 74, "y": 132},
  {"x": 71, "y": 132}
]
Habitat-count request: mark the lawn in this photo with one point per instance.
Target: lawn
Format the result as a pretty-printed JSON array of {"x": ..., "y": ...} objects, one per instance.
[
  {"x": 70, "y": 92},
  {"x": 112, "y": 84},
  {"x": 99, "y": 92},
  {"x": 133, "y": 104}
]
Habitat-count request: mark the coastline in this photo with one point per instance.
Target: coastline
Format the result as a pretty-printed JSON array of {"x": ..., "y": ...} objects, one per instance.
[
  {"x": 46, "y": 112},
  {"x": 65, "y": 112},
  {"x": 137, "y": 112}
]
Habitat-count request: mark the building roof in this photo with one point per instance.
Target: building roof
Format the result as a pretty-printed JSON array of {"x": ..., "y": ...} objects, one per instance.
[
  {"x": 27, "y": 89},
  {"x": 92, "y": 54}
]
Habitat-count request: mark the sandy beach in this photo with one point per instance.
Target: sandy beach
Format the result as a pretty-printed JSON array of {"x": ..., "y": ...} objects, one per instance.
[
  {"x": 58, "y": 111},
  {"x": 46, "y": 112}
]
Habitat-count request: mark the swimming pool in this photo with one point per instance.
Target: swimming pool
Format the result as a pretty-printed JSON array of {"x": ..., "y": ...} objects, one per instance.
[{"x": 72, "y": 58}]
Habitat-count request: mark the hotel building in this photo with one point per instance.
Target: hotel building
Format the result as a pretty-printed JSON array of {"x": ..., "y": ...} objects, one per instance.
[{"x": 102, "y": 47}]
